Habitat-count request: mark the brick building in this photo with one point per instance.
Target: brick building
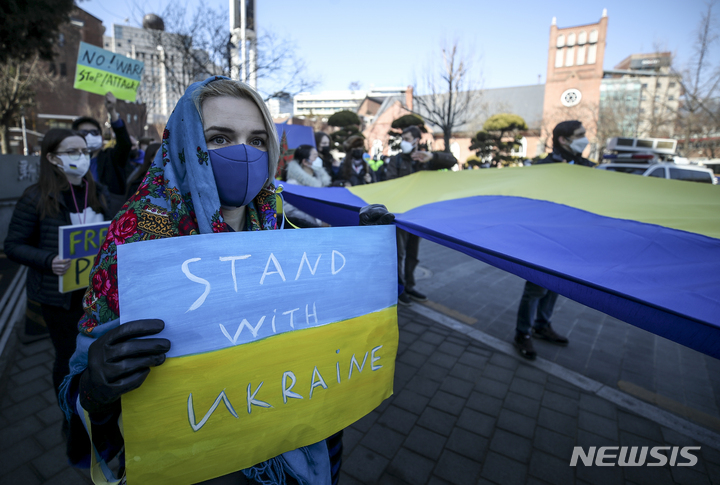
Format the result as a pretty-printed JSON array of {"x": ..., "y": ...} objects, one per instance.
[
  {"x": 574, "y": 76},
  {"x": 58, "y": 104}
]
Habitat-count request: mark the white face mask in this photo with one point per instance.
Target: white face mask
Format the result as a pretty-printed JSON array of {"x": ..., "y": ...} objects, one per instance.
[
  {"x": 317, "y": 163},
  {"x": 75, "y": 167},
  {"x": 94, "y": 142},
  {"x": 406, "y": 146},
  {"x": 579, "y": 145}
]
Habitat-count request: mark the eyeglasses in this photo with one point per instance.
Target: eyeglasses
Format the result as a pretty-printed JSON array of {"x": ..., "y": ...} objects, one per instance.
[
  {"x": 89, "y": 132},
  {"x": 75, "y": 154}
]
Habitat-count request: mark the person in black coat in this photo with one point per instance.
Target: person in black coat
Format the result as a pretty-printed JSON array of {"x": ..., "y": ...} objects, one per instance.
[
  {"x": 537, "y": 303},
  {"x": 111, "y": 166},
  {"x": 65, "y": 194},
  {"x": 354, "y": 169}
]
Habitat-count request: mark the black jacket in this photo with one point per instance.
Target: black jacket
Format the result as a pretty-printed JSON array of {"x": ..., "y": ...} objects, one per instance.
[
  {"x": 560, "y": 155},
  {"x": 34, "y": 243},
  {"x": 349, "y": 174},
  {"x": 113, "y": 166},
  {"x": 402, "y": 164}
]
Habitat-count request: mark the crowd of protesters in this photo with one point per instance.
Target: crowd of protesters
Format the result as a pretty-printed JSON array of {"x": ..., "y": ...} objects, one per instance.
[{"x": 81, "y": 181}]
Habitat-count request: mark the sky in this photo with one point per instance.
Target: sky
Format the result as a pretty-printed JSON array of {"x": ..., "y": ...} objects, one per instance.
[{"x": 383, "y": 43}]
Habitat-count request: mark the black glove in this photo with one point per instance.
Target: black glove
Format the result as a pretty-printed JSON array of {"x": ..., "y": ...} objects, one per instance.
[
  {"x": 375, "y": 215},
  {"x": 118, "y": 363}
]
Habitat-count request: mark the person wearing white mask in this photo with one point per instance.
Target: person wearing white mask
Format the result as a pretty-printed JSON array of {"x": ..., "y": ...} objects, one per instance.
[
  {"x": 306, "y": 168},
  {"x": 65, "y": 194},
  {"x": 110, "y": 166},
  {"x": 537, "y": 303},
  {"x": 569, "y": 142},
  {"x": 409, "y": 161}
]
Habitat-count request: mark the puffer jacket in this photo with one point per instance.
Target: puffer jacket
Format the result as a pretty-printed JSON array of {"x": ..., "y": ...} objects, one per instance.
[{"x": 34, "y": 243}]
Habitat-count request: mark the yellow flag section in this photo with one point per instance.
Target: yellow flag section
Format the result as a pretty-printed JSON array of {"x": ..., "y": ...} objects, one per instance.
[
  {"x": 651, "y": 200},
  {"x": 242, "y": 405}
]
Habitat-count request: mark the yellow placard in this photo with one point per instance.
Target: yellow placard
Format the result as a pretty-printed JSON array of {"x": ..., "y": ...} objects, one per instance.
[
  {"x": 80, "y": 244},
  {"x": 100, "y": 82},
  {"x": 78, "y": 276},
  {"x": 269, "y": 396}
]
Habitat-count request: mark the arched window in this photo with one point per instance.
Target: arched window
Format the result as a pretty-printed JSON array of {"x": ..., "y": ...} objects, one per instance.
[
  {"x": 582, "y": 38},
  {"x": 580, "y": 55},
  {"x": 570, "y": 56},
  {"x": 592, "y": 53},
  {"x": 571, "y": 39},
  {"x": 561, "y": 40},
  {"x": 559, "y": 57},
  {"x": 593, "y": 36}
]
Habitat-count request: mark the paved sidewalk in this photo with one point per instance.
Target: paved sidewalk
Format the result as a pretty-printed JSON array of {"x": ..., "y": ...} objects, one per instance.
[
  {"x": 32, "y": 450},
  {"x": 462, "y": 412},
  {"x": 601, "y": 347}
]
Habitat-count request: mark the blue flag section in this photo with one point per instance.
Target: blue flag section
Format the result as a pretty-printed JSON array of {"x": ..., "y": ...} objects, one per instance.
[{"x": 644, "y": 251}]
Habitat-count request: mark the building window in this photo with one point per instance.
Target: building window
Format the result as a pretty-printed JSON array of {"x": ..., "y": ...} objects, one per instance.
[
  {"x": 107, "y": 44},
  {"x": 570, "y": 56},
  {"x": 119, "y": 44},
  {"x": 671, "y": 85},
  {"x": 559, "y": 57},
  {"x": 671, "y": 97},
  {"x": 644, "y": 86},
  {"x": 592, "y": 53},
  {"x": 571, "y": 97},
  {"x": 571, "y": 40},
  {"x": 560, "y": 40},
  {"x": 63, "y": 69},
  {"x": 580, "y": 55},
  {"x": 519, "y": 150},
  {"x": 593, "y": 36},
  {"x": 582, "y": 38},
  {"x": 61, "y": 40},
  {"x": 51, "y": 68}
]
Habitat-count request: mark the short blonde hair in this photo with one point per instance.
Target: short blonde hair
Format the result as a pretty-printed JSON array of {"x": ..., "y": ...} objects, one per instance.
[{"x": 237, "y": 89}]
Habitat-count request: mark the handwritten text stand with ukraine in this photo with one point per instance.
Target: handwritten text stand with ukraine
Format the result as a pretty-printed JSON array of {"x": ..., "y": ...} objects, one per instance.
[{"x": 279, "y": 339}]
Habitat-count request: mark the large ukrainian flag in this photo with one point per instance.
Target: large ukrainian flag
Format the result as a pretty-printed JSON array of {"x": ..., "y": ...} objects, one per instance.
[{"x": 642, "y": 249}]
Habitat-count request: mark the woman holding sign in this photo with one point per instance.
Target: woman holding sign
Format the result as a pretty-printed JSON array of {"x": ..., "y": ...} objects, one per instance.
[
  {"x": 213, "y": 174},
  {"x": 64, "y": 195}
]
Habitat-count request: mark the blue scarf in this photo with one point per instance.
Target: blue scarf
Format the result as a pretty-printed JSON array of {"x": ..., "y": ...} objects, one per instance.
[{"x": 178, "y": 197}]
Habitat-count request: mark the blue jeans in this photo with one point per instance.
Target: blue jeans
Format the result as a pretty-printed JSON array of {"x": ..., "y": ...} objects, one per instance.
[{"x": 537, "y": 304}]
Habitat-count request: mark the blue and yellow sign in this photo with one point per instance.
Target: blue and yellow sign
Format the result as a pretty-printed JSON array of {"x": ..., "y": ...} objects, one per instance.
[
  {"x": 81, "y": 244},
  {"x": 279, "y": 339},
  {"x": 99, "y": 71}
]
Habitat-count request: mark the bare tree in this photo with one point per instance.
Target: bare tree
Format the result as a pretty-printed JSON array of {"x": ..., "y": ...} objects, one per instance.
[
  {"x": 18, "y": 80},
  {"x": 198, "y": 47},
  {"x": 449, "y": 97},
  {"x": 700, "y": 112}
]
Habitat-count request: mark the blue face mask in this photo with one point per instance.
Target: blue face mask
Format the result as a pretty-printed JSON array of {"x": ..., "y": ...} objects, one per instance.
[{"x": 241, "y": 172}]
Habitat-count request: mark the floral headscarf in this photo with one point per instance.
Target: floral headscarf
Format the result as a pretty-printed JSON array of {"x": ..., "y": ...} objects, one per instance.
[{"x": 178, "y": 197}]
